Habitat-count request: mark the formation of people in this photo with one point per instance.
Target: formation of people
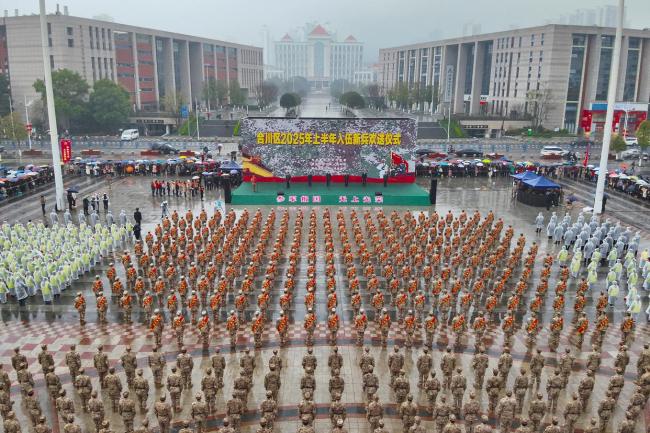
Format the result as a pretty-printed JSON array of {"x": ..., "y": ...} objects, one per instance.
[
  {"x": 35, "y": 258},
  {"x": 408, "y": 278}
]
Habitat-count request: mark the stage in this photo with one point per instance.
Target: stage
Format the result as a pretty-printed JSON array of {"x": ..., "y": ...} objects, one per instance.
[{"x": 395, "y": 194}]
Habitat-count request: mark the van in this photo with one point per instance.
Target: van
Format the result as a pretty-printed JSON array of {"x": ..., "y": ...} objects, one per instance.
[{"x": 130, "y": 134}]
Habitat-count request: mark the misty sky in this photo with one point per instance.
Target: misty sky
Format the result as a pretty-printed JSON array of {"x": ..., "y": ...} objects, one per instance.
[{"x": 378, "y": 23}]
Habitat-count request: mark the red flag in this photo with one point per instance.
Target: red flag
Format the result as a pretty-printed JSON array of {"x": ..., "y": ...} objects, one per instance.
[
  {"x": 398, "y": 160},
  {"x": 586, "y": 160}
]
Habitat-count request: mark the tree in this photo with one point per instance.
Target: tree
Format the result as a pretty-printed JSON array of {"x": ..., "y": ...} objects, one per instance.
[
  {"x": 375, "y": 95},
  {"x": 617, "y": 144},
  {"x": 5, "y": 95},
  {"x": 267, "y": 93},
  {"x": 540, "y": 104},
  {"x": 173, "y": 103},
  {"x": 109, "y": 105},
  {"x": 643, "y": 134},
  {"x": 210, "y": 94},
  {"x": 352, "y": 100},
  {"x": 236, "y": 94},
  {"x": 290, "y": 100},
  {"x": 12, "y": 127},
  {"x": 70, "y": 97},
  {"x": 222, "y": 92}
]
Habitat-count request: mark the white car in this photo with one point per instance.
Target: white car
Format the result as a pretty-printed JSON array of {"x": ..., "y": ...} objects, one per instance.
[
  {"x": 553, "y": 151},
  {"x": 129, "y": 134},
  {"x": 631, "y": 141},
  {"x": 631, "y": 153}
]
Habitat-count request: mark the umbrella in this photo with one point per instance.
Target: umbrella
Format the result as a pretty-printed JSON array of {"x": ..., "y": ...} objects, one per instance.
[
  {"x": 195, "y": 177},
  {"x": 487, "y": 161},
  {"x": 444, "y": 163},
  {"x": 479, "y": 164},
  {"x": 74, "y": 189}
]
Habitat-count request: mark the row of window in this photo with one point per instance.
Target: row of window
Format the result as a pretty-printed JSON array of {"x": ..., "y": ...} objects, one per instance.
[
  {"x": 100, "y": 73},
  {"x": 104, "y": 42}
]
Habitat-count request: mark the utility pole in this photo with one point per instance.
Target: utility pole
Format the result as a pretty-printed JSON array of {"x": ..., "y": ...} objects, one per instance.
[
  {"x": 29, "y": 130},
  {"x": 609, "y": 117},
  {"x": 51, "y": 114},
  {"x": 198, "y": 134}
]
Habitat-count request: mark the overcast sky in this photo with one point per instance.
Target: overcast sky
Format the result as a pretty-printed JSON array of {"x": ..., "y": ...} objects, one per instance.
[{"x": 378, "y": 23}]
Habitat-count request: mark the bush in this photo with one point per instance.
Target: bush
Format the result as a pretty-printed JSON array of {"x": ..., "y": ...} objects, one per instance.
[
  {"x": 352, "y": 100},
  {"x": 290, "y": 100}
]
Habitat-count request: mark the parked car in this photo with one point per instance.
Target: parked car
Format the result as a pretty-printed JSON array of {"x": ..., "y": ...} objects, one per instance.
[
  {"x": 631, "y": 141},
  {"x": 553, "y": 151},
  {"x": 164, "y": 148},
  {"x": 582, "y": 142},
  {"x": 634, "y": 153},
  {"x": 129, "y": 134},
  {"x": 469, "y": 152},
  {"x": 430, "y": 153}
]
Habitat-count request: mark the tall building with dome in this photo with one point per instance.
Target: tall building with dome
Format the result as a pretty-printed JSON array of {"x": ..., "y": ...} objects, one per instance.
[{"x": 318, "y": 56}]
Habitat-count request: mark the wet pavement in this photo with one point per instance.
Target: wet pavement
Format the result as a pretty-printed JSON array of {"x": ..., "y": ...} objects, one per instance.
[{"x": 57, "y": 325}]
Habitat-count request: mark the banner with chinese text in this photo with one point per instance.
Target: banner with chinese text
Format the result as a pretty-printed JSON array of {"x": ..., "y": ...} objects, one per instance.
[{"x": 298, "y": 147}]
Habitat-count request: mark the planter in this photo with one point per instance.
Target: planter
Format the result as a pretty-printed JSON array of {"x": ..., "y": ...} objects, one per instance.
[
  {"x": 32, "y": 152},
  {"x": 91, "y": 152}
]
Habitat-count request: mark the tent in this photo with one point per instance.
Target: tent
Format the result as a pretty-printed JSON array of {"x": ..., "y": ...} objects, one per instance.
[
  {"x": 526, "y": 175},
  {"x": 540, "y": 182},
  {"x": 230, "y": 165}
]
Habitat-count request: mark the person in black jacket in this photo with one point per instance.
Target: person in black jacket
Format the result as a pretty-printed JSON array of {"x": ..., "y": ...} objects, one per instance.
[{"x": 137, "y": 216}]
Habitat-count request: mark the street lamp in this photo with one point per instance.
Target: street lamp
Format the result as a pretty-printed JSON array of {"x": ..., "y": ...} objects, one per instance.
[
  {"x": 609, "y": 117},
  {"x": 51, "y": 114},
  {"x": 27, "y": 123}
]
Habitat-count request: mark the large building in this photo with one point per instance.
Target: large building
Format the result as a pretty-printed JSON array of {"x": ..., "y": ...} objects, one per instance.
[
  {"x": 148, "y": 63},
  {"x": 319, "y": 57},
  {"x": 497, "y": 74}
]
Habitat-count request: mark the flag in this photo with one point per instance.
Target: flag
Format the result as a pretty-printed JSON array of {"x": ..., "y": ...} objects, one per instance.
[
  {"x": 586, "y": 160},
  {"x": 397, "y": 160}
]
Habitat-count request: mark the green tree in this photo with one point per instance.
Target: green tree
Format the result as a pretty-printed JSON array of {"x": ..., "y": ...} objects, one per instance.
[
  {"x": 109, "y": 105},
  {"x": 210, "y": 93},
  {"x": 236, "y": 93},
  {"x": 352, "y": 100},
  {"x": 70, "y": 97},
  {"x": 618, "y": 144},
  {"x": 222, "y": 92},
  {"x": 643, "y": 134},
  {"x": 290, "y": 100},
  {"x": 374, "y": 94},
  {"x": 5, "y": 95},
  {"x": 12, "y": 127}
]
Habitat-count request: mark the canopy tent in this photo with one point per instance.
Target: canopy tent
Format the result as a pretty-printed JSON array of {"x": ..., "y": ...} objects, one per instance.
[
  {"x": 540, "y": 182},
  {"x": 526, "y": 175}
]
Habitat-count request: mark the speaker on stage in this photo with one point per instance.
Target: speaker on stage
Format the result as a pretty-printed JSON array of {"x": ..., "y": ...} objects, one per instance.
[
  {"x": 310, "y": 177},
  {"x": 385, "y": 180},
  {"x": 288, "y": 179},
  {"x": 433, "y": 191},
  {"x": 364, "y": 178},
  {"x": 227, "y": 192},
  {"x": 328, "y": 179},
  {"x": 346, "y": 179}
]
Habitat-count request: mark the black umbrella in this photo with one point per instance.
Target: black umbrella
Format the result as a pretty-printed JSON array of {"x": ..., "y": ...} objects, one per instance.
[{"x": 73, "y": 189}]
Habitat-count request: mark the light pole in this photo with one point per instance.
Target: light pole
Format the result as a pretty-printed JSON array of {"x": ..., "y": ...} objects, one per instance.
[
  {"x": 609, "y": 117},
  {"x": 51, "y": 114},
  {"x": 29, "y": 130}
]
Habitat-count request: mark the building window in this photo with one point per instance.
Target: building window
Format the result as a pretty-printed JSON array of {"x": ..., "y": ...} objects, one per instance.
[
  {"x": 90, "y": 34},
  {"x": 97, "y": 37},
  {"x": 541, "y": 41},
  {"x": 103, "y": 39},
  {"x": 92, "y": 63},
  {"x": 575, "y": 68},
  {"x": 68, "y": 31},
  {"x": 51, "y": 62},
  {"x": 532, "y": 40},
  {"x": 110, "y": 44},
  {"x": 604, "y": 67},
  {"x": 70, "y": 43},
  {"x": 634, "y": 43},
  {"x": 629, "y": 88},
  {"x": 570, "y": 116}
]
